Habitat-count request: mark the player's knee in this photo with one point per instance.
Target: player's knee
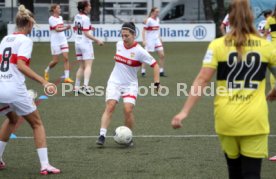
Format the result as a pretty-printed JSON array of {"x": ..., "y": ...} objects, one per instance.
[
  {"x": 128, "y": 110},
  {"x": 110, "y": 109}
]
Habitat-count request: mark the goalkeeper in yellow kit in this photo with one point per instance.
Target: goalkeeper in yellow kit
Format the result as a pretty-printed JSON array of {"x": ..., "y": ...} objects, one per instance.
[{"x": 240, "y": 59}]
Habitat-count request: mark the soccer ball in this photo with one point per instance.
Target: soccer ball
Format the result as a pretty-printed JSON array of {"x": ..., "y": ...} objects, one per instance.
[
  {"x": 123, "y": 135},
  {"x": 32, "y": 93}
]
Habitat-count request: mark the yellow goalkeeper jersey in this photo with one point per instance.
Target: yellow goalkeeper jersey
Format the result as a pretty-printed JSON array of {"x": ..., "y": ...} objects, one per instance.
[{"x": 240, "y": 102}]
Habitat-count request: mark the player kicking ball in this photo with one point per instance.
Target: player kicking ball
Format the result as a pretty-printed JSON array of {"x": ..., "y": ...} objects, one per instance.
[{"x": 123, "y": 80}]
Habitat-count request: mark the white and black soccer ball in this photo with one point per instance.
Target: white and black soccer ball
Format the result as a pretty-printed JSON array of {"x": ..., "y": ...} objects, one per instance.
[{"x": 123, "y": 135}]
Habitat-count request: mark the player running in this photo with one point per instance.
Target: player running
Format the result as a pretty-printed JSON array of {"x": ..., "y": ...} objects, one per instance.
[
  {"x": 152, "y": 40},
  {"x": 15, "y": 55},
  {"x": 240, "y": 60},
  {"x": 59, "y": 43},
  {"x": 83, "y": 46},
  {"x": 123, "y": 80}
]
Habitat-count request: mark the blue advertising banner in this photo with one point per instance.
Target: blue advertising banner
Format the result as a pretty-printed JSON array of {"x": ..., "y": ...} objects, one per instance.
[{"x": 258, "y": 6}]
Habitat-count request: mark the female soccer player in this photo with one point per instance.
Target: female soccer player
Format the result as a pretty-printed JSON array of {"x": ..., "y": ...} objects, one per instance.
[
  {"x": 241, "y": 116},
  {"x": 83, "y": 46},
  {"x": 270, "y": 28},
  {"x": 152, "y": 40},
  {"x": 15, "y": 55},
  {"x": 123, "y": 80},
  {"x": 59, "y": 43}
]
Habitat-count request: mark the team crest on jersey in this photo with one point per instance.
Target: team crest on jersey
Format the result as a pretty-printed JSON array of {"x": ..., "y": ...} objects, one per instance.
[
  {"x": 129, "y": 62},
  {"x": 132, "y": 55}
]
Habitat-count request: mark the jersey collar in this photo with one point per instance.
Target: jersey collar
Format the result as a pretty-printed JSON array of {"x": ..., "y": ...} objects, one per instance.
[
  {"x": 133, "y": 45},
  {"x": 17, "y": 33}
]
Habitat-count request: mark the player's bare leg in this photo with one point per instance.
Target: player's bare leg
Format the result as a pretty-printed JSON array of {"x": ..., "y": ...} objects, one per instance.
[
  {"x": 129, "y": 117},
  {"x": 106, "y": 119},
  {"x": 161, "y": 56},
  {"x": 67, "y": 78},
  {"x": 51, "y": 65},
  {"x": 7, "y": 128},
  {"x": 40, "y": 141},
  {"x": 79, "y": 75}
]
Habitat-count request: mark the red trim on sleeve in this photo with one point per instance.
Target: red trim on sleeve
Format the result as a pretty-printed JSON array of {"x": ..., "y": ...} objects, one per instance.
[
  {"x": 127, "y": 61},
  {"x": 152, "y": 65},
  {"x": 54, "y": 27},
  {"x": 78, "y": 55},
  {"x": 27, "y": 60},
  {"x": 129, "y": 96},
  {"x": 64, "y": 48},
  {"x": 152, "y": 28},
  {"x": 158, "y": 46}
]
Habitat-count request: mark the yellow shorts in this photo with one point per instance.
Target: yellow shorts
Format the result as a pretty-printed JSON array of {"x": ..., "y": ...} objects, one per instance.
[{"x": 255, "y": 146}]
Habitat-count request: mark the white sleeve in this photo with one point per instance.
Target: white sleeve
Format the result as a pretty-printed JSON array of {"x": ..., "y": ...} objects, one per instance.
[
  {"x": 145, "y": 57},
  {"x": 52, "y": 22},
  {"x": 25, "y": 50},
  {"x": 86, "y": 24}
]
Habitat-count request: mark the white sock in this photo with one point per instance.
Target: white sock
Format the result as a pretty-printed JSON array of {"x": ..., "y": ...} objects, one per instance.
[
  {"x": 47, "y": 69},
  {"x": 2, "y": 148},
  {"x": 103, "y": 131},
  {"x": 43, "y": 156},
  {"x": 66, "y": 73},
  {"x": 161, "y": 70},
  {"x": 143, "y": 70},
  {"x": 86, "y": 81},
  {"x": 77, "y": 82}
]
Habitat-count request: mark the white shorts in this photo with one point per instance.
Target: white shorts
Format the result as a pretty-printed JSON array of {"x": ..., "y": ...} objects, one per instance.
[
  {"x": 58, "y": 49},
  {"x": 84, "y": 51},
  {"x": 21, "y": 107},
  {"x": 154, "y": 45},
  {"x": 127, "y": 92}
]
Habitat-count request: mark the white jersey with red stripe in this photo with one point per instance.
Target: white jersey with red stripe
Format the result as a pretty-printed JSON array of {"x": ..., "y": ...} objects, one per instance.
[
  {"x": 128, "y": 61},
  {"x": 152, "y": 27},
  {"x": 82, "y": 23},
  {"x": 226, "y": 23},
  {"x": 57, "y": 38},
  {"x": 12, "y": 81}
]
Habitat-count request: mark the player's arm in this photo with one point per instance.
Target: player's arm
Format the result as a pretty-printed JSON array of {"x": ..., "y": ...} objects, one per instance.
[
  {"x": 62, "y": 28},
  {"x": 144, "y": 37},
  {"x": 271, "y": 96},
  {"x": 201, "y": 81},
  {"x": 90, "y": 36},
  {"x": 23, "y": 67},
  {"x": 222, "y": 29}
]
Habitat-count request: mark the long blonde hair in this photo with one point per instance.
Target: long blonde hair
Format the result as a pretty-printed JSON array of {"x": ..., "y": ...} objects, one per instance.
[
  {"x": 23, "y": 17},
  {"x": 241, "y": 22}
]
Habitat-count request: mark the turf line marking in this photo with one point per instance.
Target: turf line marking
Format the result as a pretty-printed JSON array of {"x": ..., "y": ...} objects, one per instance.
[{"x": 137, "y": 136}]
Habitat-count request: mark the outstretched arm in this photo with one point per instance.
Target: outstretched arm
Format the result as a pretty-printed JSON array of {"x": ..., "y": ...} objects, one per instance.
[{"x": 199, "y": 84}]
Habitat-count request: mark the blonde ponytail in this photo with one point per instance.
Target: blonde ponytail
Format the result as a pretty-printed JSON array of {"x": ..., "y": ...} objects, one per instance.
[{"x": 23, "y": 17}]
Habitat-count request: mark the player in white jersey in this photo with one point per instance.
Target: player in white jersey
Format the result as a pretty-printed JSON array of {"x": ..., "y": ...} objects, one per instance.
[
  {"x": 15, "y": 55},
  {"x": 152, "y": 40},
  {"x": 123, "y": 80},
  {"x": 225, "y": 25},
  {"x": 261, "y": 26},
  {"x": 59, "y": 43},
  {"x": 83, "y": 46}
]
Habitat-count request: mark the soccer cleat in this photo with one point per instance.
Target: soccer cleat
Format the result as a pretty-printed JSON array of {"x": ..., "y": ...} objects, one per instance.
[
  {"x": 2, "y": 165},
  {"x": 46, "y": 76},
  {"x": 49, "y": 170},
  {"x": 100, "y": 140},
  {"x": 273, "y": 158},
  {"x": 68, "y": 80},
  {"x": 162, "y": 74}
]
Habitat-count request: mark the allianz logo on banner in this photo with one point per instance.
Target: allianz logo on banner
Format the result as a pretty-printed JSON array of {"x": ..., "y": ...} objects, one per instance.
[{"x": 112, "y": 33}]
